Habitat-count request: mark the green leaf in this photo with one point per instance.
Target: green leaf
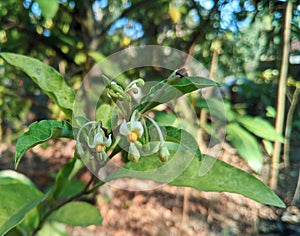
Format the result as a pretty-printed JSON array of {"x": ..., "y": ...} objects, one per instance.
[
  {"x": 64, "y": 186},
  {"x": 30, "y": 221},
  {"x": 71, "y": 188},
  {"x": 104, "y": 113},
  {"x": 223, "y": 177},
  {"x": 47, "y": 78},
  {"x": 183, "y": 148},
  {"x": 49, "y": 7},
  {"x": 163, "y": 92},
  {"x": 184, "y": 138},
  {"x": 268, "y": 147},
  {"x": 260, "y": 127},
  {"x": 165, "y": 118},
  {"x": 52, "y": 228},
  {"x": 18, "y": 196},
  {"x": 246, "y": 145},
  {"x": 77, "y": 214},
  {"x": 11, "y": 176},
  {"x": 40, "y": 132}
]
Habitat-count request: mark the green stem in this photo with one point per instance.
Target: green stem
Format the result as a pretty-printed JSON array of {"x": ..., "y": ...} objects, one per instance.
[
  {"x": 170, "y": 80},
  {"x": 161, "y": 137}
]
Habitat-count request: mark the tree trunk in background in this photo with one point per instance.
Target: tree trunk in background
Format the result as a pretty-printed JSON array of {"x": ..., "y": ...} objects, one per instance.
[
  {"x": 208, "y": 94},
  {"x": 288, "y": 127},
  {"x": 281, "y": 93}
]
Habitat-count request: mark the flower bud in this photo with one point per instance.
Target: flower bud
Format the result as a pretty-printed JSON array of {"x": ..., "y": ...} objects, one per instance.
[
  {"x": 163, "y": 154},
  {"x": 140, "y": 82},
  {"x": 133, "y": 153},
  {"x": 133, "y": 158}
]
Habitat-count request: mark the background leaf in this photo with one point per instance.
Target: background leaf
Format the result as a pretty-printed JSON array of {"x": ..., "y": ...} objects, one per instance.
[
  {"x": 246, "y": 145},
  {"x": 18, "y": 196},
  {"x": 260, "y": 127},
  {"x": 40, "y": 132},
  {"x": 47, "y": 78},
  {"x": 77, "y": 214},
  {"x": 48, "y": 7}
]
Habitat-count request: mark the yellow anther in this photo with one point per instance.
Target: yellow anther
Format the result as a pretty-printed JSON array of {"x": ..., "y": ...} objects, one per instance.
[
  {"x": 100, "y": 148},
  {"x": 132, "y": 137}
]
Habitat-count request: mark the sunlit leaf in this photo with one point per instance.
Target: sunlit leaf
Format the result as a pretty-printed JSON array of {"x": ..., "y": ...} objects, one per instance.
[
  {"x": 47, "y": 78},
  {"x": 40, "y": 132}
]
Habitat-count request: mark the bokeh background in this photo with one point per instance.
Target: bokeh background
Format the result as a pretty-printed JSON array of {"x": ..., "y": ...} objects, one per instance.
[{"x": 252, "y": 48}]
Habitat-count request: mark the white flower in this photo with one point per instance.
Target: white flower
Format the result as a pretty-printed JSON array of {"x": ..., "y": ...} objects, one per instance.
[
  {"x": 132, "y": 130},
  {"x": 99, "y": 143}
]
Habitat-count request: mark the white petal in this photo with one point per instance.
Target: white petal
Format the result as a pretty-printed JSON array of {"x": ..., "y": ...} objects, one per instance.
[
  {"x": 107, "y": 142},
  {"x": 124, "y": 129},
  {"x": 98, "y": 139},
  {"x": 137, "y": 127}
]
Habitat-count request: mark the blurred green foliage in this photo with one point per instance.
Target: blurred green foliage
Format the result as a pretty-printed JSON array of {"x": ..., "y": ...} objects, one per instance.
[{"x": 71, "y": 35}]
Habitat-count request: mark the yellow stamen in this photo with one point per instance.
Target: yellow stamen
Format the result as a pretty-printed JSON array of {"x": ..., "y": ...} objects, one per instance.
[
  {"x": 132, "y": 137},
  {"x": 100, "y": 148}
]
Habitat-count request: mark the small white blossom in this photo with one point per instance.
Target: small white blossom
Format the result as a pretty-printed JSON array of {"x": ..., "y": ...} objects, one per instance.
[
  {"x": 132, "y": 130},
  {"x": 100, "y": 142}
]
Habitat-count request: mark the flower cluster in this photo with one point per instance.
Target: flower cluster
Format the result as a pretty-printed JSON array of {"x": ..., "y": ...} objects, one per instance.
[
  {"x": 134, "y": 130},
  {"x": 99, "y": 140}
]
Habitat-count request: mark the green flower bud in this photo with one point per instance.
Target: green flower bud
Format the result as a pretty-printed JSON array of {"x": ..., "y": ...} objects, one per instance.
[
  {"x": 135, "y": 90},
  {"x": 133, "y": 158},
  {"x": 140, "y": 82},
  {"x": 133, "y": 153},
  {"x": 163, "y": 154}
]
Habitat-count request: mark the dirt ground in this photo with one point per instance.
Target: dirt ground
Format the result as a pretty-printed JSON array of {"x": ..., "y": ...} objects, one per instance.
[{"x": 170, "y": 210}]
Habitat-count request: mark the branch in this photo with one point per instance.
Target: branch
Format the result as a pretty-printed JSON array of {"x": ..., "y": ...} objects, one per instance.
[
  {"x": 84, "y": 191},
  {"x": 38, "y": 39}
]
